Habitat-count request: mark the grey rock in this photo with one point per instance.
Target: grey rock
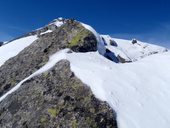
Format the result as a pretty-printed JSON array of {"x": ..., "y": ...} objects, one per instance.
[
  {"x": 71, "y": 35},
  {"x": 113, "y": 43},
  {"x": 1, "y": 43},
  {"x": 134, "y": 41},
  {"x": 56, "y": 98}
]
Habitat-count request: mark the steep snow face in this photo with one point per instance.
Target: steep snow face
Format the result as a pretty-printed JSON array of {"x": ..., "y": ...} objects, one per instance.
[
  {"x": 13, "y": 48},
  {"x": 139, "y": 92},
  {"x": 101, "y": 45},
  {"x": 130, "y": 51}
]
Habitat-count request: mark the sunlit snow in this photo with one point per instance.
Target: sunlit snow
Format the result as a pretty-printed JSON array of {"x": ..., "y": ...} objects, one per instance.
[{"x": 13, "y": 48}]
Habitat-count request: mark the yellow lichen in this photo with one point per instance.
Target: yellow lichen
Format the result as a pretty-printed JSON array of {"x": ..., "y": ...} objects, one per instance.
[
  {"x": 53, "y": 112},
  {"x": 43, "y": 119},
  {"x": 74, "y": 124}
]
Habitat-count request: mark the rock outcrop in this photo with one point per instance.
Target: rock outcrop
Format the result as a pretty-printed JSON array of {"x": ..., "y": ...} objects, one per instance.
[
  {"x": 56, "y": 98},
  {"x": 1, "y": 43},
  {"x": 70, "y": 35}
]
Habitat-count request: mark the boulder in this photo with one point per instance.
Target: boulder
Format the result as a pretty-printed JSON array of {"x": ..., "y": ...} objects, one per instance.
[
  {"x": 113, "y": 43},
  {"x": 134, "y": 41}
]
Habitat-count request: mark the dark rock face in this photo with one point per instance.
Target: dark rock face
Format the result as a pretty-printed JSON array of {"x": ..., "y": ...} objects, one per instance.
[
  {"x": 111, "y": 56},
  {"x": 71, "y": 35},
  {"x": 113, "y": 43},
  {"x": 56, "y": 98},
  {"x": 134, "y": 41},
  {"x": 1, "y": 43}
]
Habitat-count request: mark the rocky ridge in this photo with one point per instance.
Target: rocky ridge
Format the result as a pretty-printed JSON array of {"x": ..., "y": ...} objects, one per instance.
[{"x": 56, "y": 98}]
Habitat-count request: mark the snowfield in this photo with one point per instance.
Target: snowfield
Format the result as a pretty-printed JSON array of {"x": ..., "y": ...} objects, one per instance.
[
  {"x": 139, "y": 92},
  {"x": 130, "y": 51},
  {"x": 13, "y": 48}
]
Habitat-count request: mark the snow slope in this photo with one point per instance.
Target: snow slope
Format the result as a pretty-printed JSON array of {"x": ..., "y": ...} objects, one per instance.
[
  {"x": 13, "y": 48},
  {"x": 130, "y": 51},
  {"x": 139, "y": 92}
]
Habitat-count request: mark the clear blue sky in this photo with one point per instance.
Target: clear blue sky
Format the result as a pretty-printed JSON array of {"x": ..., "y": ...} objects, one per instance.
[{"x": 147, "y": 20}]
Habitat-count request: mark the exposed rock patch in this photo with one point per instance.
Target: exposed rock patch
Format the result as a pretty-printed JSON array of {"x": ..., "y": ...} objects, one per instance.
[
  {"x": 71, "y": 35},
  {"x": 1, "y": 43},
  {"x": 56, "y": 98}
]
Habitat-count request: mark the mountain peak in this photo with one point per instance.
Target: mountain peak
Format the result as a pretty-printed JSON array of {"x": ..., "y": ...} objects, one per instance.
[{"x": 65, "y": 74}]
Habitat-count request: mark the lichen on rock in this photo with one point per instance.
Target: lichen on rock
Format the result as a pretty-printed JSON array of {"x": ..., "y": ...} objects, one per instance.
[
  {"x": 37, "y": 54},
  {"x": 59, "y": 100},
  {"x": 56, "y": 98}
]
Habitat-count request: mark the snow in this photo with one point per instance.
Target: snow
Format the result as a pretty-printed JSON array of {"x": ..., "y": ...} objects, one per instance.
[
  {"x": 132, "y": 52},
  {"x": 13, "y": 48},
  {"x": 48, "y": 31},
  {"x": 59, "y": 22},
  {"x": 139, "y": 92},
  {"x": 5, "y": 42},
  {"x": 101, "y": 46},
  {"x": 52, "y": 61},
  {"x": 125, "y": 48}
]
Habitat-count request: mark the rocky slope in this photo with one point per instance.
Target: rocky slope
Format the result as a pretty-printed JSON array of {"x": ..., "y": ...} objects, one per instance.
[
  {"x": 56, "y": 98},
  {"x": 70, "y": 35}
]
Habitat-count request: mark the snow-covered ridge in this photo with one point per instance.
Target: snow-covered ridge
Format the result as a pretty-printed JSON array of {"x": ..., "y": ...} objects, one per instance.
[
  {"x": 56, "y": 23},
  {"x": 139, "y": 92},
  {"x": 125, "y": 49},
  {"x": 132, "y": 51},
  {"x": 59, "y": 22},
  {"x": 127, "y": 88}
]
